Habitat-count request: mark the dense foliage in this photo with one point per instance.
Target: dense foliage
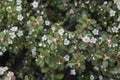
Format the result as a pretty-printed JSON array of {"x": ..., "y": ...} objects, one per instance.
[{"x": 59, "y": 39}]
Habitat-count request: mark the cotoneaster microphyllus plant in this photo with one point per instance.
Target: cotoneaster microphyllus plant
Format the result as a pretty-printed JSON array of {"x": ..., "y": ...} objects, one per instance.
[{"x": 60, "y": 40}]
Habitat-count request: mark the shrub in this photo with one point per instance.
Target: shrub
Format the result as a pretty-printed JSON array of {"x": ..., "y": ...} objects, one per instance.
[{"x": 43, "y": 38}]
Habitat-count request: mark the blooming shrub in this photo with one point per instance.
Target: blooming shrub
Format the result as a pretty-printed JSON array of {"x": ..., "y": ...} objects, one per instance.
[
  {"x": 43, "y": 38},
  {"x": 9, "y": 74}
]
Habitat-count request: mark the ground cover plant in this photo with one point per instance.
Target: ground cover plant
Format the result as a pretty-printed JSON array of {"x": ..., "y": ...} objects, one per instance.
[{"x": 59, "y": 39}]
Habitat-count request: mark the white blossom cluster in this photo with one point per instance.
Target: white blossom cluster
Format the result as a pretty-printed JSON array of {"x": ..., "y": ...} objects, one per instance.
[
  {"x": 4, "y": 70},
  {"x": 3, "y": 49},
  {"x": 112, "y": 12},
  {"x": 14, "y": 32},
  {"x": 66, "y": 42},
  {"x": 67, "y": 57},
  {"x": 19, "y": 9},
  {"x": 117, "y": 2},
  {"x": 34, "y": 50},
  {"x": 95, "y": 32},
  {"x": 61, "y": 31},
  {"x": 73, "y": 72},
  {"x": 35, "y": 4},
  {"x": 87, "y": 39}
]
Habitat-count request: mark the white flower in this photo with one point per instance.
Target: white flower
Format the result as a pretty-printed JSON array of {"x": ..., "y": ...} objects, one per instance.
[
  {"x": 1, "y": 53},
  {"x": 10, "y": 74},
  {"x": 35, "y": 4},
  {"x": 44, "y": 45},
  {"x": 101, "y": 40},
  {"x": 2, "y": 70},
  {"x": 4, "y": 49},
  {"x": 119, "y": 26},
  {"x": 105, "y": 2},
  {"x": 118, "y": 53},
  {"x": 109, "y": 29},
  {"x": 34, "y": 50},
  {"x": 18, "y": 8},
  {"x": 96, "y": 68},
  {"x": 117, "y": 2},
  {"x": 53, "y": 29},
  {"x": 86, "y": 39},
  {"x": 28, "y": 22},
  {"x": 44, "y": 38},
  {"x": 12, "y": 35},
  {"x": 9, "y": 0},
  {"x": 5, "y": 31},
  {"x": 28, "y": 14},
  {"x": 91, "y": 77},
  {"x": 95, "y": 32},
  {"x": 5, "y": 68},
  {"x": 49, "y": 41},
  {"x": 14, "y": 29},
  {"x": 10, "y": 41},
  {"x": 9, "y": 8},
  {"x": 45, "y": 29},
  {"x": 47, "y": 22},
  {"x": 66, "y": 57},
  {"x": 73, "y": 72},
  {"x": 41, "y": 18},
  {"x": 93, "y": 40},
  {"x": 40, "y": 44},
  {"x": 35, "y": 35},
  {"x": 20, "y": 17},
  {"x": 30, "y": 32},
  {"x": 19, "y": 2},
  {"x": 100, "y": 77},
  {"x": 118, "y": 18},
  {"x": 71, "y": 35},
  {"x": 42, "y": 12},
  {"x": 61, "y": 31},
  {"x": 112, "y": 12},
  {"x": 118, "y": 6},
  {"x": 38, "y": 11},
  {"x": 75, "y": 3},
  {"x": 115, "y": 29},
  {"x": 20, "y": 33},
  {"x": 66, "y": 42},
  {"x": 115, "y": 45}
]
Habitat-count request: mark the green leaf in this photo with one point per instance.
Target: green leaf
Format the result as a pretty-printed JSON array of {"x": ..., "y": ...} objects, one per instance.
[
  {"x": 49, "y": 36},
  {"x": 45, "y": 69},
  {"x": 71, "y": 64},
  {"x": 93, "y": 22},
  {"x": 59, "y": 76},
  {"x": 90, "y": 27},
  {"x": 82, "y": 57},
  {"x": 5, "y": 43},
  {"x": 105, "y": 64},
  {"x": 52, "y": 47},
  {"x": 98, "y": 55},
  {"x": 114, "y": 71},
  {"x": 1, "y": 34},
  {"x": 71, "y": 50},
  {"x": 82, "y": 46},
  {"x": 84, "y": 16},
  {"x": 26, "y": 78},
  {"x": 40, "y": 28},
  {"x": 32, "y": 18},
  {"x": 40, "y": 63},
  {"x": 82, "y": 66}
]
